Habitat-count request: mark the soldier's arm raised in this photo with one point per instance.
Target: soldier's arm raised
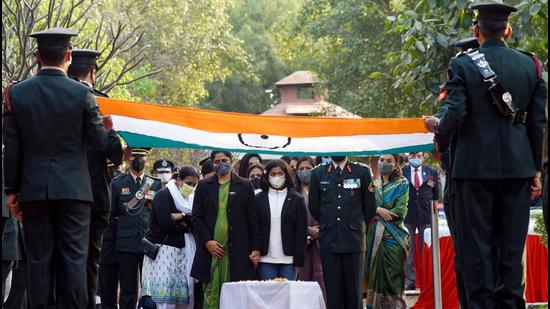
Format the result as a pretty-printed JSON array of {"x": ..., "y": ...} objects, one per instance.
[
  {"x": 94, "y": 130},
  {"x": 113, "y": 148},
  {"x": 453, "y": 109}
]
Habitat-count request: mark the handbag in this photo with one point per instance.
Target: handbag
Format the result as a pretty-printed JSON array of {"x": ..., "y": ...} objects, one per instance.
[{"x": 150, "y": 249}]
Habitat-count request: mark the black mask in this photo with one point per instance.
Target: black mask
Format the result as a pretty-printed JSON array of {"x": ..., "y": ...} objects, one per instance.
[
  {"x": 255, "y": 183},
  {"x": 338, "y": 159},
  {"x": 138, "y": 164}
]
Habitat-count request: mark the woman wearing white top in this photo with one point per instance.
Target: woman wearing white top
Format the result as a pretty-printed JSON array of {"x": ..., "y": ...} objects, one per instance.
[{"x": 283, "y": 225}]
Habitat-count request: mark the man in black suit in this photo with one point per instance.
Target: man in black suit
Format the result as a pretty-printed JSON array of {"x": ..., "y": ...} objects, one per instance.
[
  {"x": 230, "y": 239},
  {"x": 49, "y": 123},
  {"x": 83, "y": 69},
  {"x": 423, "y": 189}
]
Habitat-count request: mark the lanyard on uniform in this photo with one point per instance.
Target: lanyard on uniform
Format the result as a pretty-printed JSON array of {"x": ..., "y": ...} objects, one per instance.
[{"x": 501, "y": 97}]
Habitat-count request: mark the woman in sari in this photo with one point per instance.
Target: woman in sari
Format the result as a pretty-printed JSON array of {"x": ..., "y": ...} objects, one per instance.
[{"x": 387, "y": 238}]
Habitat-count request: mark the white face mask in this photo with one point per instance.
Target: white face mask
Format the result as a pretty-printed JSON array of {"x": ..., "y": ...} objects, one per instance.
[
  {"x": 277, "y": 182},
  {"x": 165, "y": 177}
]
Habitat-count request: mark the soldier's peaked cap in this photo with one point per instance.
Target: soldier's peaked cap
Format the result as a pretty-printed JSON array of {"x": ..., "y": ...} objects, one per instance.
[
  {"x": 140, "y": 151},
  {"x": 163, "y": 166},
  {"x": 54, "y": 37},
  {"x": 493, "y": 10},
  {"x": 85, "y": 56}
]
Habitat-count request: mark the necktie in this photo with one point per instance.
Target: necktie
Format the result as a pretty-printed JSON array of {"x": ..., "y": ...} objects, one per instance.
[
  {"x": 338, "y": 170},
  {"x": 416, "y": 179},
  {"x": 138, "y": 180}
]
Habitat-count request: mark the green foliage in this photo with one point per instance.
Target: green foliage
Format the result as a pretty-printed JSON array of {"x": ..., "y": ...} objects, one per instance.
[
  {"x": 251, "y": 88},
  {"x": 541, "y": 229},
  {"x": 388, "y": 59},
  {"x": 377, "y": 58},
  {"x": 190, "y": 41}
]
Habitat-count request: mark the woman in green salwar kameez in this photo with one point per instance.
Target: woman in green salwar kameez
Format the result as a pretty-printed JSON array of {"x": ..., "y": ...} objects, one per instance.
[
  {"x": 220, "y": 267},
  {"x": 387, "y": 238}
]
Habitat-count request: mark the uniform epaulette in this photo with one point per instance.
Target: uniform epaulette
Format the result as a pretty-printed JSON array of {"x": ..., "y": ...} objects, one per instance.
[
  {"x": 538, "y": 63},
  {"x": 359, "y": 164},
  {"x": 528, "y": 53},
  {"x": 321, "y": 164},
  {"x": 100, "y": 93},
  {"x": 465, "y": 52},
  {"x": 119, "y": 176}
]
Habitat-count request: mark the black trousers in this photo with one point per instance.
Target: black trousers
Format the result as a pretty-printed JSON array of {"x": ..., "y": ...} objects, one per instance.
[
  {"x": 98, "y": 224},
  {"x": 56, "y": 232},
  {"x": 17, "y": 298},
  {"x": 343, "y": 274},
  {"x": 450, "y": 213},
  {"x": 130, "y": 268},
  {"x": 108, "y": 285},
  {"x": 492, "y": 223}
]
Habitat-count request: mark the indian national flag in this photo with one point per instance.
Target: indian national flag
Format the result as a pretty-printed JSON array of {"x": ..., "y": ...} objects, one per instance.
[{"x": 153, "y": 125}]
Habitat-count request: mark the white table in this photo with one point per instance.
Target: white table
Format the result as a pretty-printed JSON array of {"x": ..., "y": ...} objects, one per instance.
[{"x": 271, "y": 295}]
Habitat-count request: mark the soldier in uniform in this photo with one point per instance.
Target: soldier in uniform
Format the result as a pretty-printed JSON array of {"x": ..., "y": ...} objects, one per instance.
[
  {"x": 341, "y": 199},
  {"x": 49, "y": 121},
  {"x": 163, "y": 170},
  {"x": 83, "y": 69},
  {"x": 444, "y": 147},
  {"x": 132, "y": 196},
  {"x": 494, "y": 108}
]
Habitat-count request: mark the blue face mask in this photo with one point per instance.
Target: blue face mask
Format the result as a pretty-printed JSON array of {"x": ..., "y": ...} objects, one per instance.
[
  {"x": 415, "y": 162},
  {"x": 222, "y": 169},
  {"x": 304, "y": 175}
]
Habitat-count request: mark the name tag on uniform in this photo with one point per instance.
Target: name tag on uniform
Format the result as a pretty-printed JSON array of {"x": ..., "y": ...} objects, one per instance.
[
  {"x": 351, "y": 183},
  {"x": 125, "y": 191}
]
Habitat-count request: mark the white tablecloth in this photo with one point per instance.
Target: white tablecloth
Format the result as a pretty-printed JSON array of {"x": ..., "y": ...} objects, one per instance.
[{"x": 271, "y": 295}]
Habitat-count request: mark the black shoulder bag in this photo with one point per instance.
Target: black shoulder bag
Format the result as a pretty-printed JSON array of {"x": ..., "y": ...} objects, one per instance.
[{"x": 150, "y": 249}]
